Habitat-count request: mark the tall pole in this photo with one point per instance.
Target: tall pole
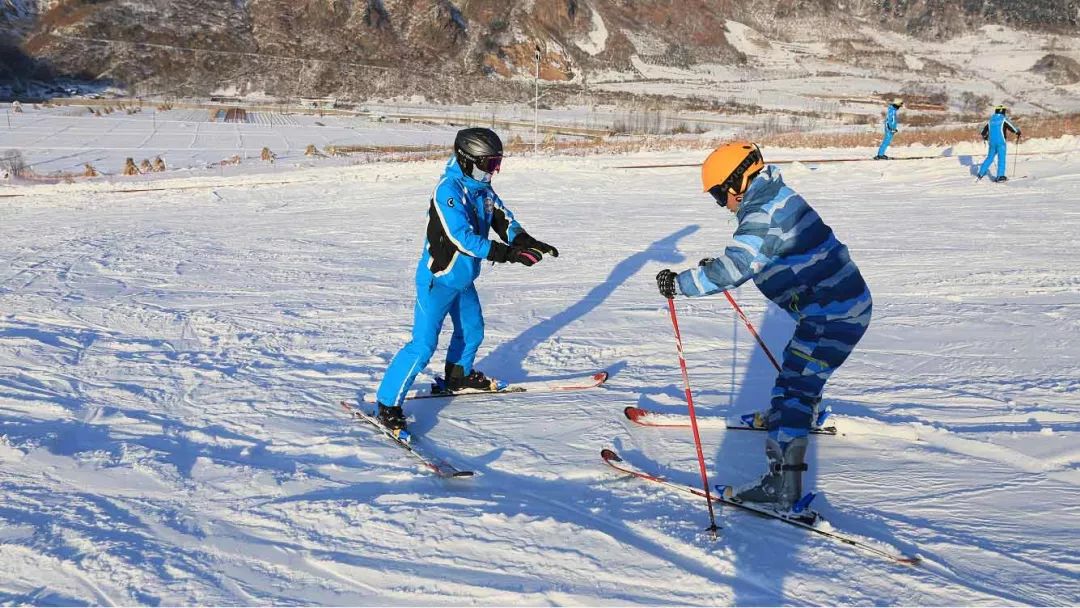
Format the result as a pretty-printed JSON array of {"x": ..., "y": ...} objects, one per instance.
[{"x": 536, "y": 105}]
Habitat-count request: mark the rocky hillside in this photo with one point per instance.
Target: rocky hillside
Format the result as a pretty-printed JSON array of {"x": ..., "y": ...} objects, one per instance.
[{"x": 449, "y": 49}]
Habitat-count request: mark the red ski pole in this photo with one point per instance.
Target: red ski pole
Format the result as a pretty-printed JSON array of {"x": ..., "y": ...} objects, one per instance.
[
  {"x": 752, "y": 330},
  {"x": 693, "y": 418}
]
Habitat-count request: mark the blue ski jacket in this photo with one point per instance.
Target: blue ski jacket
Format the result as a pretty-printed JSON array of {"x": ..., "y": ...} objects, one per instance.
[
  {"x": 461, "y": 213},
  {"x": 890, "y": 119},
  {"x": 995, "y": 127},
  {"x": 792, "y": 256}
]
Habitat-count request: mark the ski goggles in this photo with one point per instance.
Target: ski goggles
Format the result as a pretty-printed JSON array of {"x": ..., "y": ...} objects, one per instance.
[{"x": 487, "y": 164}]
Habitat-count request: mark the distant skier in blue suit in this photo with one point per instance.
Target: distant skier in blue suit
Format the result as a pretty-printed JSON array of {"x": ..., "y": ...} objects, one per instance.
[
  {"x": 462, "y": 211},
  {"x": 890, "y": 126},
  {"x": 993, "y": 132}
]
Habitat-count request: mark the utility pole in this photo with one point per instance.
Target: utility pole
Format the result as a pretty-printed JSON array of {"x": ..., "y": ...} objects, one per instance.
[{"x": 536, "y": 105}]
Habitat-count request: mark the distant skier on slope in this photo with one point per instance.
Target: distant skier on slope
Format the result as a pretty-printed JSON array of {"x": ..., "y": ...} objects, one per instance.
[
  {"x": 993, "y": 132},
  {"x": 890, "y": 127},
  {"x": 462, "y": 210},
  {"x": 796, "y": 261}
]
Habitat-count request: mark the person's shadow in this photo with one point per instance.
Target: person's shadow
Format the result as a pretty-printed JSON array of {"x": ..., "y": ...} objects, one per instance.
[
  {"x": 507, "y": 358},
  {"x": 965, "y": 160},
  {"x": 741, "y": 459}
]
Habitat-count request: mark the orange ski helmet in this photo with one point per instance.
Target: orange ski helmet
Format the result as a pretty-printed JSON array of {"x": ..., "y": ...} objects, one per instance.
[{"x": 730, "y": 169}]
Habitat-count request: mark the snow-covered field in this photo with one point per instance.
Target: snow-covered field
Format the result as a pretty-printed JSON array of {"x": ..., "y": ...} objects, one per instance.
[
  {"x": 61, "y": 140},
  {"x": 170, "y": 363}
]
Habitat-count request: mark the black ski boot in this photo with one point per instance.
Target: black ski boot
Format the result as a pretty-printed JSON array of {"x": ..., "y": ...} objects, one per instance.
[
  {"x": 781, "y": 486},
  {"x": 1003, "y": 178},
  {"x": 457, "y": 380},
  {"x": 881, "y": 157},
  {"x": 392, "y": 417}
]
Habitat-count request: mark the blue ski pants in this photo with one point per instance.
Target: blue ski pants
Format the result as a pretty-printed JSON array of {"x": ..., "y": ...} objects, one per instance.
[
  {"x": 885, "y": 142},
  {"x": 998, "y": 151},
  {"x": 433, "y": 303},
  {"x": 820, "y": 345}
]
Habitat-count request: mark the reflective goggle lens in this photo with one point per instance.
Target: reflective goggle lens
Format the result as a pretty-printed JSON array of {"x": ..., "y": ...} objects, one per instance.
[
  {"x": 488, "y": 164},
  {"x": 719, "y": 193}
]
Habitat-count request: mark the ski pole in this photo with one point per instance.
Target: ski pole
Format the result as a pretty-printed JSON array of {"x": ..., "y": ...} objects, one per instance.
[
  {"x": 1015, "y": 154},
  {"x": 752, "y": 330},
  {"x": 693, "y": 418}
]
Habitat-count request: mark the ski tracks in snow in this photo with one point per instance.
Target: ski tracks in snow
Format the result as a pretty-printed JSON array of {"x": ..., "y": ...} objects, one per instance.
[{"x": 169, "y": 360}]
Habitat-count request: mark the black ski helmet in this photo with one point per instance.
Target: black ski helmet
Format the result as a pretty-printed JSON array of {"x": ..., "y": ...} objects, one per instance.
[{"x": 478, "y": 148}]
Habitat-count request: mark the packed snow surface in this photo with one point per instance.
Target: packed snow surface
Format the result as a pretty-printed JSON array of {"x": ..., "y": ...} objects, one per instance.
[{"x": 171, "y": 362}]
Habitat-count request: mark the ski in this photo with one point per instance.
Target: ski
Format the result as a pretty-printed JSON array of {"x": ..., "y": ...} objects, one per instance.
[
  {"x": 613, "y": 460},
  {"x": 549, "y": 386},
  {"x": 644, "y": 417},
  {"x": 438, "y": 466},
  {"x": 746, "y": 423}
]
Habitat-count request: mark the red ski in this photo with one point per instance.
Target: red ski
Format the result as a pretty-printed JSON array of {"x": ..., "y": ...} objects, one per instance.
[
  {"x": 644, "y": 417},
  {"x": 614, "y": 461}
]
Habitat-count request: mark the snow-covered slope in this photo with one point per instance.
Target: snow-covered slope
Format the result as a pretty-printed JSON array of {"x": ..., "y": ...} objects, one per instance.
[{"x": 170, "y": 362}]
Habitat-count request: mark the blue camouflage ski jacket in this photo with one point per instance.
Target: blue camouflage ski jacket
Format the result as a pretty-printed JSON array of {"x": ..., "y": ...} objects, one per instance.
[
  {"x": 792, "y": 256},
  {"x": 461, "y": 213}
]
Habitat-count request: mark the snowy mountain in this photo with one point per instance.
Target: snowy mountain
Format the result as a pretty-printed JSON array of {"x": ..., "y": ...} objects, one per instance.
[{"x": 447, "y": 50}]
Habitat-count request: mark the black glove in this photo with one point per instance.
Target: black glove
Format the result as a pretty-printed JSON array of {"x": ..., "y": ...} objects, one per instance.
[
  {"x": 665, "y": 280},
  {"x": 892, "y": 130},
  {"x": 1018, "y": 136},
  {"x": 514, "y": 254},
  {"x": 524, "y": 240},
  {"x": 986, "y": 138}
]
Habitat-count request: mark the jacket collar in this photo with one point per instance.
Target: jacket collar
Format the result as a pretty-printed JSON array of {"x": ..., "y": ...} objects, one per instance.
[
  {"x": 454, "y": 172},
  {"x": 761, "y": 190}
]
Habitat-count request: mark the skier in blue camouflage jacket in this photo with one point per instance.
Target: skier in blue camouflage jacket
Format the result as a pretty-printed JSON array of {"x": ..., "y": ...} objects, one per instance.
[
  {"x": 462, "y": 211},
  {"x": 797, "y": 262}
]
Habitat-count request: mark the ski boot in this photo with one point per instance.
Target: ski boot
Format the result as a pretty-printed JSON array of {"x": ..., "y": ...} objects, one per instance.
[
  {"x": 822, "y": 421},
  {"x": 881, "y": 157},
  {"x": 457, "y": 380},
  {"x": 393, "y": 418},
  {"x": 756, "y": 420},
  {"x": 1001, "y": 178},
  {"x": 780, "y": 488}
]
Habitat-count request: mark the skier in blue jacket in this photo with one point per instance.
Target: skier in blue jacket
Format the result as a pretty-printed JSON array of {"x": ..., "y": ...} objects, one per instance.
[
  {"x": 890, "y": 126},
  {"x": 462, "y": 211},
  {"x": 993, "y": 132},
  {"x": 797, "y": 262}
]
